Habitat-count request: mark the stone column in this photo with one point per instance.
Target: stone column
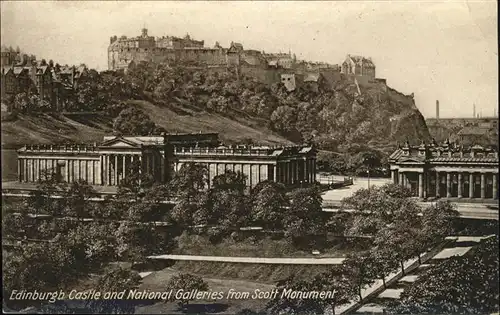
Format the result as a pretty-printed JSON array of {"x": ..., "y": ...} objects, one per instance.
[
  {"x": 140, "y": 164},
  {"x": 105, "y": 177},
  {"x": 460, "y": 183},
  {"x": 471, "y": 185},
  {"x": 66, "y": 171},
  {"x": 400, "y": 181},
  {"x": 288, "y": 173},
  {"x": 101, "y": 168},
  {"x": 483, "y": 185},
  {"x": 284, "y": 173},
  {"x": 448, "y": 185},
  {"x": 495, "y": 188},
  {"x": 250, "y": 175},
  {"x": 297, "y": 171},
  {"x": 108, "y": 169},
  {"x": 124, "y": 166},
  {"x": 306, "y": 171},
  {"x": 24, "y": 166},
  {"x": 393, "y": 176},
  {"x": 19, "y": 170},
  {"x": 115, "y": 180},
  {"x": 438, "y": 183},
  {"x": 421, "y": 185},
  {"x": 92, "y": 172}
]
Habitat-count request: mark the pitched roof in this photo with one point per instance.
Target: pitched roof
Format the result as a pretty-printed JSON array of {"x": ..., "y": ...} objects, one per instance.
[
  {"x": 361, "y": 59},
  {"x": 134, "y": 141},
  {"x": 19, "y": 70},
  {"x": 6, "y": 70}
]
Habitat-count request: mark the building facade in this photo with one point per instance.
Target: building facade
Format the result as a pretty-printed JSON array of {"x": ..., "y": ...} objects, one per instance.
[
  {"x": 446, "y": 170},
  {"x": 359, "y": 66},
  {"x": 161, "y": 156},
  {"x": 53, "y": 84}
]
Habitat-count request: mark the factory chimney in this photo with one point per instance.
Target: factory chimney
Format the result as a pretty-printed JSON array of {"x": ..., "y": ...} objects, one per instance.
[
  {"x": 437, "y": 109},
  {"x": 474, "y": 111}
]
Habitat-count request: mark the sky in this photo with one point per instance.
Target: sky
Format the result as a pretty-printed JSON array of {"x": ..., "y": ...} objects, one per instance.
[{"x": 444, "y": 50}]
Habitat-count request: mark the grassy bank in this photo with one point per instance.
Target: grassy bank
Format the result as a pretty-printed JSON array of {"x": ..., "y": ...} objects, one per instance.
[{"x": 257, "y": 245}]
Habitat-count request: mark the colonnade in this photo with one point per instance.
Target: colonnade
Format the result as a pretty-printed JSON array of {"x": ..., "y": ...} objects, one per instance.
[
  {"x": 287, "y": 172},
  {"x": 296, "y": 171},
  {"x": 33, "y": 169},
  {"x": 116, "y": 165},
  {"x": 449, "y": 184},
  {"x": 109, "y": 168}
]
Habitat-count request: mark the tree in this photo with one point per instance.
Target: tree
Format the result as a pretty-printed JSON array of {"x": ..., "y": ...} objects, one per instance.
[
  {"x": 338, "y": 281},
  {"x": 133, "y": 121},
  {"x": 360, "y": 269},
  {"x": 41, "y": 200},
  {"x": 305, "y": 219},
  {"x": 437, "y": 222},
  {"x": 186, "y": 282},
  {"x": 293, "y": 306},
  {"x": 379, "y": 206},
  {"x": 37, "y": 266},
  {"x": 227, "y": 202},
  {"x": 465, "y": 284},
  {"x": 115, "y": 280},
  {"x": 283, "y": 119},
  {"x": 399, "y": 242},
  {"x": 92, "y": 245},
  {"x": 385, "y": 261},
  {"x": 77, "y": 197},
  {"x": 135, "y": 241},
  {"x": 136, "y": 183},
  {"x": 268, "y": 200},
  {"x": 189, "y": 181}
]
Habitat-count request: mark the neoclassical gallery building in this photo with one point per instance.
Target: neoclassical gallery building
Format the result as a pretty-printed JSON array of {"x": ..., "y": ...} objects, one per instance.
[
  {"x": 446, "y": 170},
  {"x": 161, "y": 156}
]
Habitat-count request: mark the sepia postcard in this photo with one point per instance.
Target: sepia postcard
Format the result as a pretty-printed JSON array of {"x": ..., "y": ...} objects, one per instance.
[{"x": 249, "y": 157}]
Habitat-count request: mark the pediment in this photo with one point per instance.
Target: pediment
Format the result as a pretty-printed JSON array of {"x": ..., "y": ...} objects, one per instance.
[
  {"x": 410, "y": 160},
  {"x": 119, "y": 142}
]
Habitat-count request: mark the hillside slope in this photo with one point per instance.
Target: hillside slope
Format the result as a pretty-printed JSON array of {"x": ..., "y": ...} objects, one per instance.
[
  {"x": 89, "y": 128},
  {"x": 334, "y": 115}
]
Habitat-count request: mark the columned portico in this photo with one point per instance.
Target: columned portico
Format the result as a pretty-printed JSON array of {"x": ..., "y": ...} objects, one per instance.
[{"x": 432, "y": 171}]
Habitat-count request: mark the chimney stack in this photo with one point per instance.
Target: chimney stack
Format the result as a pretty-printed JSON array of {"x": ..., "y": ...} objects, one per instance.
[
  {"x": 474, "y": 111},
  {"x": 437, "y": 109}
]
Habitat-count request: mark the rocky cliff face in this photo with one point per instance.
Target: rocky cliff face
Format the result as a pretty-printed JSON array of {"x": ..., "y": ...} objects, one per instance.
[{"x": 371, "y": 114}]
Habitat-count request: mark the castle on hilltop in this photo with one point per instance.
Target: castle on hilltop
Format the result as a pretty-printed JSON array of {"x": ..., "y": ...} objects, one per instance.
[{"x": 124, "y": 52}]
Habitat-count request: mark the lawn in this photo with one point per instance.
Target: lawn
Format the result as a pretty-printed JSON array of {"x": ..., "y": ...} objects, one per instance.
[
  {"x": 258, "y": 245},
  {"x": 158, "y": 280}
]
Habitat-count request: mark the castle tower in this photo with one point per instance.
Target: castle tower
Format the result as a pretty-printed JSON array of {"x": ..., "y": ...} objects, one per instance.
[{"x": 437, "y": 109}]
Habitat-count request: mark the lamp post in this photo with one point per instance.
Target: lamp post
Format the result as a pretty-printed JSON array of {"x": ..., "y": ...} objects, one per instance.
[
  {"x": 368, "y": 176},
  {"x": 367, "y": 162}
]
